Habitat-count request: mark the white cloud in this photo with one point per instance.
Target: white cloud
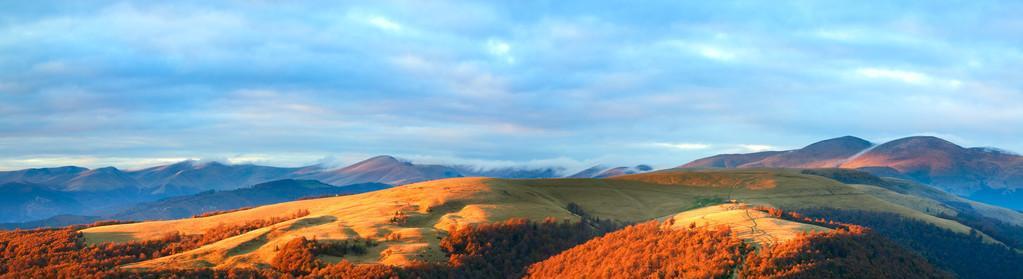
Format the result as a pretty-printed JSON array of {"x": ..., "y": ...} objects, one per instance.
[
  {"x": 501, "y": 50},
  {"x": 383, "y": 23},
  {"x": 87, "y": 161},
  {"x": 900, "y": 75},
  {"x": 375, "y": 20},
  {"x": 904, "y": 76},
  {"x": 715, "y": 53},
  {"x": 459, "y": 77},
  {"x": 249, "y": 159},
  {"x": 712, "y": 51},
  {"x": 682, "y": 145},
  {"x": 757, "y": 147}
]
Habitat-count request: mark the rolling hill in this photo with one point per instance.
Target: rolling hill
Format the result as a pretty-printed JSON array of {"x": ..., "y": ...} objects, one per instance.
[
  {"x": 735, "y": 241},
  {"x": 429, "y": 209},
  {"x": 983, "y": 174}
]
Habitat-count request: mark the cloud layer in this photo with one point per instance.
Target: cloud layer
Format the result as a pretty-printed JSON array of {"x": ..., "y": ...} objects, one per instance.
[{"x": 110, "y": 83}]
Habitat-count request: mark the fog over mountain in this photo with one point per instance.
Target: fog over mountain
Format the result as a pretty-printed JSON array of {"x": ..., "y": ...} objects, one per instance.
[{"x": 42, "y": 193}]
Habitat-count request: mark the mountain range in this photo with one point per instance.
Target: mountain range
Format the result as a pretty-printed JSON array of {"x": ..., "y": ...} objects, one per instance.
[
  {"x": 984, "y": 174},
  {"x": 174, "y": 207},
  {"x": 40, "y": 193}
]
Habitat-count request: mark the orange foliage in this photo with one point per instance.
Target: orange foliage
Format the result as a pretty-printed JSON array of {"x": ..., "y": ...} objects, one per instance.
[
  {"x": 62, "y": 253},
  {"x": 647, "y": 251},
  {"x": 296, "y": 257},
  {"x": 510, "y": 249}
]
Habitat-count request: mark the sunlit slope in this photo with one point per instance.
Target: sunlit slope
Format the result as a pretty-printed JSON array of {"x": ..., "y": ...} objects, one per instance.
[
  {"x": 433, "y": 207},
  {"x": 745, "y": 222},
  {"x": 789, "y": 189}
]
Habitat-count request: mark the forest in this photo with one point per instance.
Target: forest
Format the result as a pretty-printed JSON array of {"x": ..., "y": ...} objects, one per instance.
[
  {"x": 968, "y": 256},
  {"x": 648, "y": 251}
]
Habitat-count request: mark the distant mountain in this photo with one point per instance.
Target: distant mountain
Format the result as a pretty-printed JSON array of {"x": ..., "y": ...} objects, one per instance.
[
  {"x": 101, "y": 179},
  {"x": 193, "y": 176},
  {"x": 384, "y": 169},
  {"x": 26, "y": 201},
  {"x": 171, "y": 208},
  {"x": 42, "y": 176},
  {"x": 261, "y": 194},
  {"x": 46, "y": 192},
  {"x": 602, "y": 171},
  {"x": 823, "y": 154},
  {"x": 984, "y": 174},
  {"x": 58, "y": 221},
  {"x": 189, "y": 177},
  {"x": 936, "y": 161},
  {"x": 108, "y": 191}
]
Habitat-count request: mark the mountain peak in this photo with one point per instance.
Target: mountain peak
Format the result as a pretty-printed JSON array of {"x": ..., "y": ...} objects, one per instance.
[
  {"x": 923, "y": 142},
  {"x": 381, "y": 160},
  {"x": 106, "y": 170},
  {"x": 844, "y": 142}
]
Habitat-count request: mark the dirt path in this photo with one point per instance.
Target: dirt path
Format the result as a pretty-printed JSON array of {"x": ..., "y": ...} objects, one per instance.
[{"x": 769, "y": 239}]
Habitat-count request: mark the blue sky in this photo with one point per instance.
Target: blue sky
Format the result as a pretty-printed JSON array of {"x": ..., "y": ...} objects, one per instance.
[{"x": 570, "y": 83}]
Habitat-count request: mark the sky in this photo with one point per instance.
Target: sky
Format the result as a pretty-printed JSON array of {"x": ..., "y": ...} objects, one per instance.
[{"x": 566, "y": 83}]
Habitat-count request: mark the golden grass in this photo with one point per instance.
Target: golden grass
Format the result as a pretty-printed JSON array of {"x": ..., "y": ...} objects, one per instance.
[
  {"x": 436, "y": 206},
  {"x": 745, "y": 223}
]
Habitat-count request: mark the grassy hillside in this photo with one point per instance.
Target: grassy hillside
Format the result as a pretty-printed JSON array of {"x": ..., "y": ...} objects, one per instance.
[
  {"x": 744, "y": 222},
  {"x": 408, "y": 221}
]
